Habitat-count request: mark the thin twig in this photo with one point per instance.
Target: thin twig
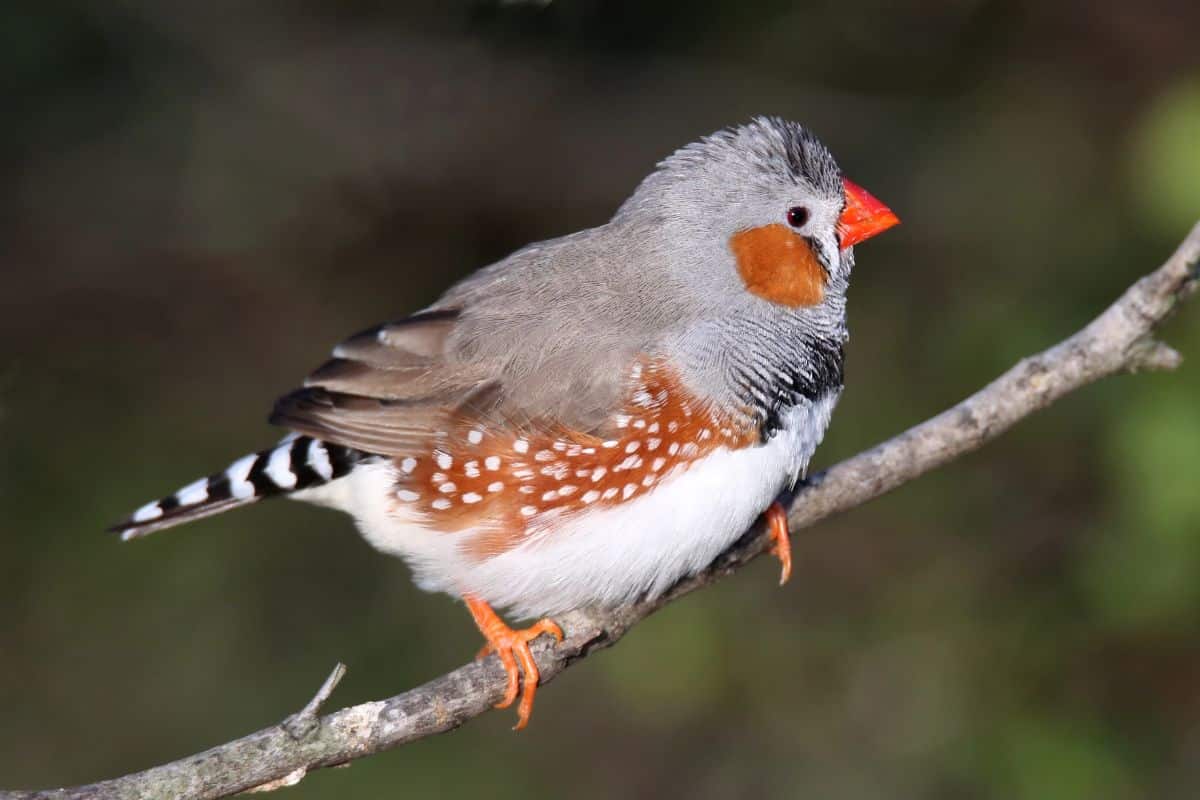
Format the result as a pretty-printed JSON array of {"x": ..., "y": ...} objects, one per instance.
[
  {"x": 305, "y": 721},
  {"x": 1119, "y": 340}
]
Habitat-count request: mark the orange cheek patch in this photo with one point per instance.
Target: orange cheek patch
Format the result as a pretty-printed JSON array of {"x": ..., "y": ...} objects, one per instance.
[{"x": 778, "y": 265}]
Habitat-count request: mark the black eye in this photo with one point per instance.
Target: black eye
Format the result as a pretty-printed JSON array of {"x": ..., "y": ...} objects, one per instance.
[{"x": 797, "y": 216}]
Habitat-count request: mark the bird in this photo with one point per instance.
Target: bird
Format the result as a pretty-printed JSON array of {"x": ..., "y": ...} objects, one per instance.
[{"x": 594, "y": 417}]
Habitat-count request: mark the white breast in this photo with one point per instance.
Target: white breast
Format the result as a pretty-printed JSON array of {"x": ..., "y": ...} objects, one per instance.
[{"x": 606, "y": 556}]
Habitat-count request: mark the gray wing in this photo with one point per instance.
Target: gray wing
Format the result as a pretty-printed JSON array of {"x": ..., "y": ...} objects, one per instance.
[
  {"x": 385, "y": 388},
  {"x": 388, "y": 388},
  {"x": 545, "y": 337}
]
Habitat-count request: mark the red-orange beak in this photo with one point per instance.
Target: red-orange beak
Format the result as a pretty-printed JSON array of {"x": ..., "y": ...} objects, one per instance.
[{"x": 864, "y": 215}]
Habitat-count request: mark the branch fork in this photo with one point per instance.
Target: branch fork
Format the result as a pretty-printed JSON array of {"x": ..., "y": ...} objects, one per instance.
[{"x": 306, "y": 721}]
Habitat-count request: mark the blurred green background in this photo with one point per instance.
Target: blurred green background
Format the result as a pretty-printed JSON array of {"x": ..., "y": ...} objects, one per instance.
[{"x": 199, "y": 199}]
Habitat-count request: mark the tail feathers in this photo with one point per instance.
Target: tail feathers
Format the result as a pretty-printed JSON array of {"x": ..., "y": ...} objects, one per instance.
[{"x": 298, "y": 462}]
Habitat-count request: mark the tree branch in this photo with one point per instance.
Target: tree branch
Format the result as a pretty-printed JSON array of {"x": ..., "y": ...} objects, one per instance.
[{"x": 1119, "y": 340}]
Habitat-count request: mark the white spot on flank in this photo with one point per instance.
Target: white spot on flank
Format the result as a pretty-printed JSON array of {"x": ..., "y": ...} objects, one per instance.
[
  {"x": 590, "y": 496},
  {"x": 609, "y": 493},
  {"x": 492, "y": 463},
  {"x": 448, "y": 488},
  {"x": 521, "y": 446},
  {"x": 147, "y": 512},
  {"x": 528, "y": 511},
  {"x": 524, "y": 473},
  {"x": 438, "y": 477},
  {"x": 705, "y": 434},
  {"x": 630, "y": 462},
  {"x": 566, "y": 491},
  {"x": 444, "y": 460},
  {"x": 622, "y": 420},
  {"x": 471, "y": 468},
  {"x": 658, "y": 464},
  {"x": 318, "y": 459},
  {"x": 557, "y": 470},
  {"x": 598, "y": 473},
  {"x": 408, "y": 495},
  {"x": 610, "y": 443},
  {"x": 674, "y": 448},
  {"x": 441, "y": 504},
  {"x": 629, "y": 489},
  {"x": 633, "y": 446},
  {"x": 472, "y": 497},
  {"x": 589, "y": 451},
  {"x": 526, "y": 489},
  {"x": 649, "y": 479},
  {"x": 653, "y": 443},
  {"x": 279, "y": 467},
  {"x": 639, "y": 423},
  {"x": 559, "y": 445},
  {"x": 548, "y": 496},
  {"x": 193, "y": 493},
  {"x": 672, "y": 426},
  {"x": 653, "y": 428},
  {"x": 544, "y": 455},
  {"x": 495, "y": 487},
  {"x": 475, "y": 437}
]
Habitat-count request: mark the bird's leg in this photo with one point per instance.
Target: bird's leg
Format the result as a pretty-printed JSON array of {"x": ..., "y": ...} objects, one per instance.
[
  {"x": 512, "y": 647},
  {"x": 781, "y": 544}
]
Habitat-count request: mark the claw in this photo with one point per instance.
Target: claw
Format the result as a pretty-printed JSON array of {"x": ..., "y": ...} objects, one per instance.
[
  {"x": 781, "y": 544},
  {"x": 512, "y": 648}
]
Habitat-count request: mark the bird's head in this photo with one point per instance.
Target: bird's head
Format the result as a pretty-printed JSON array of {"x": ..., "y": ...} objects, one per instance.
[{"x": 769, "y": 201}]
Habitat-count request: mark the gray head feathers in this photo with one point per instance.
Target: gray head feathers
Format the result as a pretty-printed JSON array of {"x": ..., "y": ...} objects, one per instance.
[{"x": 765, "y": 153}]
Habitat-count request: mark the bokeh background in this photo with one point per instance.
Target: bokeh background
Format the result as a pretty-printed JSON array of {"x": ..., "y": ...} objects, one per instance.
[{"x": 199, "y": 199}]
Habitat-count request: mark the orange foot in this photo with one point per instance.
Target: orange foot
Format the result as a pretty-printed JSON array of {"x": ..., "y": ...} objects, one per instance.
[
  {"x": 781, "y": 544},
  {"x": 512, "y": 646}
]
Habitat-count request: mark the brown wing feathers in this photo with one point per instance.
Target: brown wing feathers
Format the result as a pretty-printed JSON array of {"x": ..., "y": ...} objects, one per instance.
[
  {"x": 421, "y": 336},
  {"x": 382, "y": 427},
  {"x": 385, "y": 389}
]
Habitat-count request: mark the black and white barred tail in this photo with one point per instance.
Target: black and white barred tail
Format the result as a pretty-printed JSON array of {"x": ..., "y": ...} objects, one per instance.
[{"x": 296, "y": 463}]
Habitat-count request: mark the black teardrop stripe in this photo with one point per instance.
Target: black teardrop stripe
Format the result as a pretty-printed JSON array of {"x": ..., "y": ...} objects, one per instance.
[{"x": 770, "y": 395}]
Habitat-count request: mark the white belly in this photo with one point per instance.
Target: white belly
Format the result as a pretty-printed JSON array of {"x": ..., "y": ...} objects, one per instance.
[{"x": 606, "y": 556}]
